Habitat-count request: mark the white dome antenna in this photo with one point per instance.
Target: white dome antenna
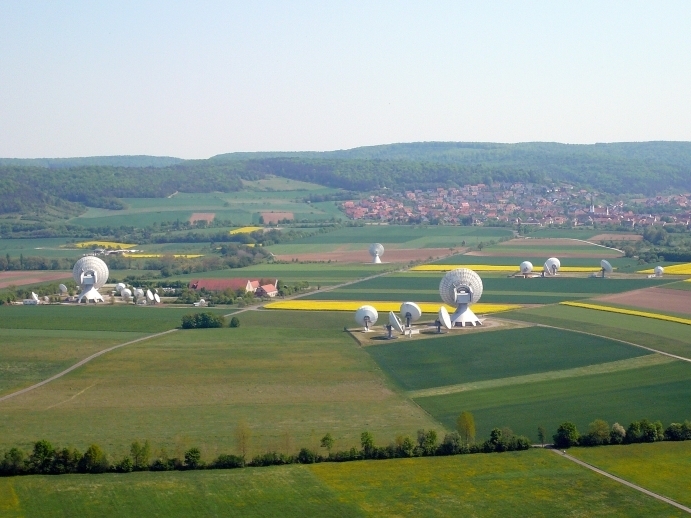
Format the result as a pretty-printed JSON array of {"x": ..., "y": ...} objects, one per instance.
[
  {"x": 90, "y": 273},
  {"x": 376, "y": 250},
  {"x": 658, "y": 271},
  {"x": 551, "y": 267},
  {"x": 461, "y": 288},
  {"x": 366, "y": 316},
  {"x": 526, "y": 268}
]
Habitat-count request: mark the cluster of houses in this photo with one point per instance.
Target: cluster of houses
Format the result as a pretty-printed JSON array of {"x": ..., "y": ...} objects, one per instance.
[
  {"x": 257, "y": 287},
  {"x": 517, "y": 203}
]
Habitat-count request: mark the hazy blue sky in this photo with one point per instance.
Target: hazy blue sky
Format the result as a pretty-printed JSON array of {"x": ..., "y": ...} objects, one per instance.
[{"x": 193, "y": 79}]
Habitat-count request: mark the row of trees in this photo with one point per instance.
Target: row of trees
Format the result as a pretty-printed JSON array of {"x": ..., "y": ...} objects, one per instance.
[
  {"x": 206, "y": 320},
  {"x": 600, "y": 433}
]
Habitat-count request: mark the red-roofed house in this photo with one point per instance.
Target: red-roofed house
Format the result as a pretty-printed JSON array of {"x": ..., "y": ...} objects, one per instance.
[
  {"x": 267, "y": 290},
  {"x": 224, "y": 284}
]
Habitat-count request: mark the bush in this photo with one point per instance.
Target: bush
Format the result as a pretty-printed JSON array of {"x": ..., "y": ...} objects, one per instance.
[
  {"x": 193, "y": 458},
  {"x": 94, "y": 460},
  {"x": 202, "y": 320},
  {"x": 307, "y": 456},
  {"x": 235, "y": 322},
  {"x": 567, "y": 435},
  {"x": 228, "y": 462}
]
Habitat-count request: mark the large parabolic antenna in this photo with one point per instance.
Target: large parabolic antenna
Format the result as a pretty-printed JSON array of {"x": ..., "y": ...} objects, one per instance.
[
  {"x": 90, "y": 273},
  {"x": 526, "y": 267},
  {"x": 605, "y": 267},
  {"x": 366, "y": 316},
  {"x": 552, "y": 266},
  {"x": 461, "y": 288},
  {"x": 410, "y": 312},
  {"x": 376, "y": 250}
]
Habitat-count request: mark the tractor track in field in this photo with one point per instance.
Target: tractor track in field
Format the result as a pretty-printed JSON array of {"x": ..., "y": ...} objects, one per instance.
[
  {"x": 622, "y": 481},
  {"x": 156, "y": 335}
]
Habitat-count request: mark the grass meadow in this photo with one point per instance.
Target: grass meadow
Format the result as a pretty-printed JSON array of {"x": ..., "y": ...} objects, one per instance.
[
  {"x": 660, "y": 467},
  {"x": 28, "y": 356},
  {"x": 533, "y": 483},
  {"x": 292, "y": 376}
]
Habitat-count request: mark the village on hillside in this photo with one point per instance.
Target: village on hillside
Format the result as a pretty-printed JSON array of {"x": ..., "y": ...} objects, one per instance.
[{"x": 517, "y": 203}]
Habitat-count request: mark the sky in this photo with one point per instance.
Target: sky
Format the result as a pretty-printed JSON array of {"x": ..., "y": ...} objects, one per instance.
[{"x": 195, "y": 79}]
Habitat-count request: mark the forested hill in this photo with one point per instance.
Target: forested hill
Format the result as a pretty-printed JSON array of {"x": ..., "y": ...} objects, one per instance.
[{"x": 68, "y": 184}]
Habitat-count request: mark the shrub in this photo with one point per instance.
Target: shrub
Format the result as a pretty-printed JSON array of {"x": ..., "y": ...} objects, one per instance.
[
  {"x": 598, "y": 434},
  {"x": 193, "y": 458},
  {"x": 228, "y": 462},
  {"x": 94, "y": 460},
  {"x": 125, "y": 465},
  {"x": 617, "y": 435},
  {"x": 567, "y": 435},
  {"x": 307, "y": 456},
  {"x": 202, "y": 320},
  {"x": 235, "y": 322}
]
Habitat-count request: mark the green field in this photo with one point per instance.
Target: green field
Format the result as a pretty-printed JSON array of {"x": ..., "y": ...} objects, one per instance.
[
  {"x": 392, "y": 236},
  {"x": 28, "y": 356},
  {"x": 664, "y": 336},
  {"x": 43, "y": 247},
  {"x": 660, "y": 467},
  {"x": 533, "y": 483},
  {"x": 455, "y": 358},
  {"x": 622, "y": 264},
  {"x": 293, "y": 376},
  {"x": 96, "y": 318},
  {"x": 656, "y": 392},
  {"x": 424, "y": 287}
]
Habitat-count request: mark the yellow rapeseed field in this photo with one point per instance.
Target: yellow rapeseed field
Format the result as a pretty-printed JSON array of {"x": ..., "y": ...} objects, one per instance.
[
  {"x": 352, "y": 305},
  {"x": 154, "y": 256},
  {"x": 677, "y": 269},
  {"x": 103, "y": 244},
  {"x": 495, "y": 268},
  {"x": 633, "y": 312},
  {"x": 245, "y": 230}
]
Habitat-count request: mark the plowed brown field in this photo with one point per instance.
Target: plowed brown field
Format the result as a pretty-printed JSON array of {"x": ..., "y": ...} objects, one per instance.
[
  {"x": 661, "y": 299},
  {"x": 275, "y": 217},
  {"x": 202, "y": 216},
  {"x": 22, "y": 278}
]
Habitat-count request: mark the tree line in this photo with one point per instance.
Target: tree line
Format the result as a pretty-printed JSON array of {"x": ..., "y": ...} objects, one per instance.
[{"x": 600, "y": 433}]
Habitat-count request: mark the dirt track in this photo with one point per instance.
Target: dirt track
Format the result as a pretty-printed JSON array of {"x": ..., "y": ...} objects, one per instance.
[
  {"x": 24, "y": 277},
  {"x": 661, "y": 299},
  {"x": 401, "y": 255}
]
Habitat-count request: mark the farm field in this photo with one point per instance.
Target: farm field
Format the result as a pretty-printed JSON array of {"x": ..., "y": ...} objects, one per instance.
[
  {"x": 392, "y": 237},
  {"x": 657, "y": 299},
  {"x": 565, "y": 248},
  {"x": 28, "y": 356},
  {"x": 622, "y": 264},
  {"x": 656, "y": 392},
  {"x": 292, "y": 377},
  {"x": 664, "y": 336},
  {"x": 40, "y": 247},
  {"x": 532, "y": 483},
  {"x": 96, "y": 318},
  {"x": 424, "y": 287},
  {"x": 29, "y": 277},
  {"x": 660, "y": 467},
  {"x": 457, "y": 358}
]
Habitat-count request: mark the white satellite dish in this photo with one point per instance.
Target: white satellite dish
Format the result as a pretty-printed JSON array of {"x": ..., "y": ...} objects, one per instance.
[
  {"x": 138, "y": 293},
  {"x": 149, "y": 296},
  {"x": 90, "y": 273},
  {"x": 410, "y": 312},
  {"x": 62, "y": 288},
  {"x": 551, "y": 266},
  {"x": 34, "y": 296},
  {"x": 461, "y": 288},
  {"x": 126, "y": 294},
  {"x": 395, "y": 323},
  {"x": 46, "y": 299},
  {"x": 606, "y": 267},
  {"x": 119, "y": 287},
  {"x": 157, "y": 298},
  {"x": 444, "y": 317},
  {"x": 526, "y": 267},
  {"x": 366, "y": 316},
  {"x": 202, "y": 302},
  {"x": 658, "y": 271},
  {"x": 376, "y": 250}
]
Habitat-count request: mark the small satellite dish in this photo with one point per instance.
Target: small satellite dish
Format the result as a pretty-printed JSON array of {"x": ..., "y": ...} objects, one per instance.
[
  {"x": 34, "y": 296},
  {"x": 658, "y": 271},
  {"x": 202, "y": 302},
  {"x": 149, "y": 295},
  {"x": 410, "y": 312},
  {"x": 62, "y": 288},
  {"x": 126, "y": 294},
  {"x": 376, "y": 250},
  {"x": 366, "y": 316},
  {"x": 119, "y": 287},
  {"x": 444, "y": 317},
  {"x": 606, "y": 267},
  {"x": 393, "y": 320},
  {"x": 551, "y": 266},
  {"x": 157, "y": 298},
  {"x": 46, "y": 299},
  {"x": 526, "y": 267}
]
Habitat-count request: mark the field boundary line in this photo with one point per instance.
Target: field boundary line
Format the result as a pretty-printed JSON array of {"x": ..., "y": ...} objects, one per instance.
[
  {"x": 82, "y": 362},
  {"x": 600, "y": 368},
  {"x": 682, "y": 358},
  {"x": 622, "y": 481}
]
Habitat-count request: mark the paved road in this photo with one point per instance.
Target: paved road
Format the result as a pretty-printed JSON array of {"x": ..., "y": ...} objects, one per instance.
[
  {"x": 622, "y": 481},
  {"x": 148, "y": 337}
]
